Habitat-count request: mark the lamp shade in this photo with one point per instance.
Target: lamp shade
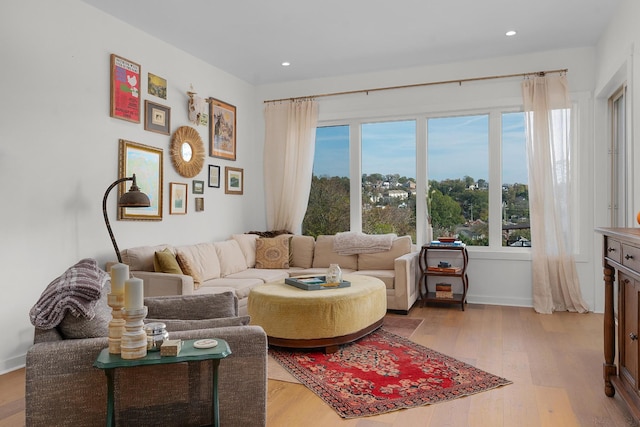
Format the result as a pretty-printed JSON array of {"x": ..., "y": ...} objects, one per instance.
[{"x": 134, "y": 198}]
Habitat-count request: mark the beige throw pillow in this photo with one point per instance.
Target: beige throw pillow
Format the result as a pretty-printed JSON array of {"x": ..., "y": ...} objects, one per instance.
[
  {"x": 272, "y": 252},
  {"x": 187, "y": 268}
]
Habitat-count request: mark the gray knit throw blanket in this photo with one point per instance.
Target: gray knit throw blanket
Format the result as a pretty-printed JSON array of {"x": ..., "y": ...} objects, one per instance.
[{"x": 76, "y": 292}]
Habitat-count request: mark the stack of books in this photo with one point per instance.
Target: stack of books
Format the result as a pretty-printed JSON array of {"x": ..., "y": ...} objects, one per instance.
[
  {"x": 455, "y": 243},
  {"x": 443, "y": 290}
]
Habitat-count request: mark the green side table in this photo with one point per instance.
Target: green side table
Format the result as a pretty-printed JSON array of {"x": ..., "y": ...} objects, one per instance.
[{"x": 110, "y": 362}]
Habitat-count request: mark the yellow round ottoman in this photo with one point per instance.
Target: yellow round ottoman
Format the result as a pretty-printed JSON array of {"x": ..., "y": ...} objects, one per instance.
[{"x": 297, "y": 318}]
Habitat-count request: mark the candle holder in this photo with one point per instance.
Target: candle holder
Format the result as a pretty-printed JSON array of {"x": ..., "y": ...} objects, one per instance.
[
  {"x": 133, "y": 344},
  {"x": 116, "y": 325}
]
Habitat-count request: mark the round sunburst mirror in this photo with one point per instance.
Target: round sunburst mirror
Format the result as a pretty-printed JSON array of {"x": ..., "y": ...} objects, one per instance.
[{"x": 187, "y": 151}]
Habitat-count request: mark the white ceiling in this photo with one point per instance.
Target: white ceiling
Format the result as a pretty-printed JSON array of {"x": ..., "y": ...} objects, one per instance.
[{"x": 251, "y": 38}]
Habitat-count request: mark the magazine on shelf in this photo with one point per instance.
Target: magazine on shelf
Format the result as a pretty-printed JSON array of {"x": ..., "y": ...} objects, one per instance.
[
  {"x": 455, "y": 244},
  {"x": 314, "y": 283}
]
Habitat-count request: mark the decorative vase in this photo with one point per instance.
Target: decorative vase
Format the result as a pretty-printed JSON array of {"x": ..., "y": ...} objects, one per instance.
[{"x": 334, "y": 274}]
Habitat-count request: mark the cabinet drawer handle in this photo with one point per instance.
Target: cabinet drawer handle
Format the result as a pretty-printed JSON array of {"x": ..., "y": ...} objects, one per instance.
[
  {"x": 627, "y": 256},
  {"x": 611, "y": 249},
  {"x": 633, "y": 336}
]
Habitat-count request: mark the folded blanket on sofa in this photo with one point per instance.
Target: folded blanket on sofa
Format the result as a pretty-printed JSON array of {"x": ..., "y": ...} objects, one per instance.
[
  {"x": 76, "y": 291},
  {"x": 352, "y": 242}
]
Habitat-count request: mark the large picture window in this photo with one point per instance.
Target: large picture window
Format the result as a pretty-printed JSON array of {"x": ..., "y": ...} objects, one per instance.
[{"x": 476, "y": 180}]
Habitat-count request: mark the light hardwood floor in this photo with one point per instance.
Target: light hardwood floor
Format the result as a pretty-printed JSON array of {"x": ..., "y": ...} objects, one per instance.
[{"x": 554, "y": 361}]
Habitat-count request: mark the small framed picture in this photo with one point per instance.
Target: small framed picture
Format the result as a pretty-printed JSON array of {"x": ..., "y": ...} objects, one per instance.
[
  {"x": 178, "y": 198},
  {"x": 214, "y": 176},
  {"x": 197, "y": 187},
  {"x": 156, "y": 86},
  {"x": 233, "y": 180},
  {"x": 157, "y": 118},
  {"x": 199, "y": 204}
]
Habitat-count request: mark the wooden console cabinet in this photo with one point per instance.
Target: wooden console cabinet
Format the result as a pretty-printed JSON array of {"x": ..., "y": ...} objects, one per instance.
[{"x": 621, "y": 256}]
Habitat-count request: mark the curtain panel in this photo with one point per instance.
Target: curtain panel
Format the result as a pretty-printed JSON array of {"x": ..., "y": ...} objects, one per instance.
[
  {"x": 289, "y": 147},
  {"x": 547, "y": 107}
]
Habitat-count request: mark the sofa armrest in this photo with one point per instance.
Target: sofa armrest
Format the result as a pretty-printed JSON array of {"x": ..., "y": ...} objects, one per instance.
[
  {"x": 159, "y": 284},
  {"x": 406, "y": 283}
]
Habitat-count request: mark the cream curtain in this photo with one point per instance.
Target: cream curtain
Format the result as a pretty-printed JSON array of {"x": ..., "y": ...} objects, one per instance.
[
  {"x": 290, "y": 137},
  {"x": 547, "y": 107}
]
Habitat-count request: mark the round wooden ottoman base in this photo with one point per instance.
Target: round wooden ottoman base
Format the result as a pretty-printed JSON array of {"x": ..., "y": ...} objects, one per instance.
[{"x": 330, "y": 345}]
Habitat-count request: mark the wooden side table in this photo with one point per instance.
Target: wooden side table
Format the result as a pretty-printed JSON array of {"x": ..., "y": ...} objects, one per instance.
[
  {"x": 109, "y": 362},
  {"x": 429, "y": 267}
]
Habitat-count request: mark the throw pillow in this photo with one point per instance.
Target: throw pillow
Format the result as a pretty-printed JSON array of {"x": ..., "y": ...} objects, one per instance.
[
  {"x": 272, "y": 252},
  {"x": 174, "y": 325},
  {"x": 165, "y": 262},
  {"x": 187, "y": 268}
]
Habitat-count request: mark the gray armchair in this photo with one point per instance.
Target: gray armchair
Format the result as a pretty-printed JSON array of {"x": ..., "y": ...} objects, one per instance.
[{"x": 64, "y": 389}]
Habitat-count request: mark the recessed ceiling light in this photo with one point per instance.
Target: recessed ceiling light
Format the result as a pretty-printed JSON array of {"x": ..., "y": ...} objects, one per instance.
[
  {"x": 286, "y": 64},
  {"x": 510, "y": 33}
]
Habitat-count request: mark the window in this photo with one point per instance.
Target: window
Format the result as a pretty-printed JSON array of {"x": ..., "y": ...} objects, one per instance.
[
  {"x": 476, "y": 179},
  {"x": 388, "y": 178},
  {"x": 618, "y": 190},
  {"x": 458, "y": 169},
  {"x": 329, "y": 199},
  {"x": 516, "y": 229}
]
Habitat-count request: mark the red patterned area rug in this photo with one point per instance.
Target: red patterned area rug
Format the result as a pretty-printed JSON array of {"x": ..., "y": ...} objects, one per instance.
[{"x": 384, "y": 372}]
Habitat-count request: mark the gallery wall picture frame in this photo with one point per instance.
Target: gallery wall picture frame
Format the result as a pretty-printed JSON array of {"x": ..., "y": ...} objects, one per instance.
[
  {"x": 157, "y": 118},
  {"x": 197, "y": 187},
  {"x": 199, "y": 204},
  {"x": 222, "y": 129},
  {"x": 233, "y": 180},
  {"x": 214, "y": 176},
  {"x": 146, "y": 162},
  {"x": 156, "y": 86},
  {"x": 125, "y": 89},
  {"x": 178, "y": 198}
]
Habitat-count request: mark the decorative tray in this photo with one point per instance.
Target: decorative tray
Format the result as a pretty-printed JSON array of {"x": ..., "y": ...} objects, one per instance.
[{"x": 314, "y": 283}]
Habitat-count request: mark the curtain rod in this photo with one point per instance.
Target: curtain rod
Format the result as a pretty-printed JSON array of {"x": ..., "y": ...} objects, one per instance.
[{"x": 459, "y": 81}]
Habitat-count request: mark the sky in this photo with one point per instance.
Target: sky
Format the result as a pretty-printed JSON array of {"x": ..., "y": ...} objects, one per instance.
[{"x": 457, "y": 147}]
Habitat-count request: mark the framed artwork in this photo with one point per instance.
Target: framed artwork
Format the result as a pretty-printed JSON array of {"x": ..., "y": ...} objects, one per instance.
[
  {"x": 125, "y": 89},
  {"x": 157, "y": 118},
  {"x": 233, "y": 180},
  {"x": 214, "y": 176},
  {"x": 156, "y": 86},
  {"x": 199, "y": 204},
  {"x": 222, "y": 130},
  {"x": 146, "y": 162},
  {"x": 197, "y": 187},
  {"x": 177, "y": 198}
]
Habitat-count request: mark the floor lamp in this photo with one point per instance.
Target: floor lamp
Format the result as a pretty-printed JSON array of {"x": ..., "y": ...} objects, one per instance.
[{"x": 134, "y": 198}]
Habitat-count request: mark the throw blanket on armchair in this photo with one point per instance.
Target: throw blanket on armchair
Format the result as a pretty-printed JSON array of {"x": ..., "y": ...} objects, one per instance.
[
  {"x": 352, "y": 242},
  {"x": 77, "y": 290}
]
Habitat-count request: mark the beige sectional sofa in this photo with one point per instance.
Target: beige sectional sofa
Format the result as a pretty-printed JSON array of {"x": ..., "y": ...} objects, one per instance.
[{"x": 235, "y": 264}]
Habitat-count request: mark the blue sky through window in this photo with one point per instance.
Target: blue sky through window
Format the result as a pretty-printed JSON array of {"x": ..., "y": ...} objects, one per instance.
[{"x": 458, "y": 146}]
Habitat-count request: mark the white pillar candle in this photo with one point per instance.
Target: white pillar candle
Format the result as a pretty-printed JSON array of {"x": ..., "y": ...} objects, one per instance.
[
  {"x": 133, "y": 290},
  {"x": 119, "y": 273}
]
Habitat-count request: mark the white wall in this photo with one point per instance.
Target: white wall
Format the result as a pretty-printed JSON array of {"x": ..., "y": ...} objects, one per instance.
[
  {"x": 617, "y": 52},
  {"x": 500, "y": 276},
  {"x": 59, "y": 150}
]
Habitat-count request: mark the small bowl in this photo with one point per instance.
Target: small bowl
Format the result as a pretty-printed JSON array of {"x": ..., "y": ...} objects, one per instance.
[{"x": 446, "y": 239}]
